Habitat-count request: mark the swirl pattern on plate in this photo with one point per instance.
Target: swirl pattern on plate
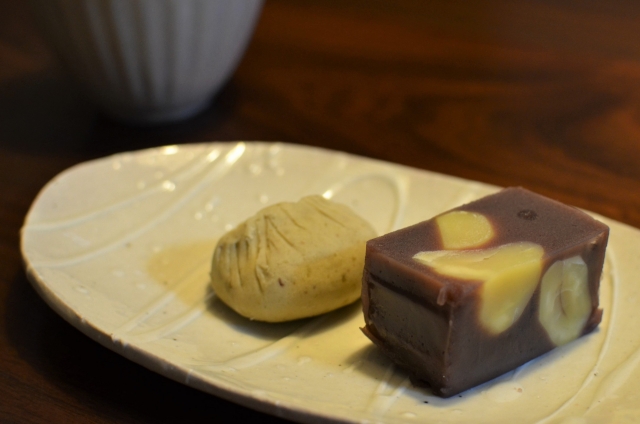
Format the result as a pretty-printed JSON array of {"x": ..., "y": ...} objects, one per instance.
[{"x": 121, "y": 246}]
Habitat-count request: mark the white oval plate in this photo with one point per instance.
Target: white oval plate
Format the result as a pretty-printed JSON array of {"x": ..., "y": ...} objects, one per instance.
[{"x": 120, "y": 247}]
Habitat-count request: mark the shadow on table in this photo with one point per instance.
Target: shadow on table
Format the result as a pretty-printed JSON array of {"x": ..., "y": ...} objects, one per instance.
[
  {"x": 46, "y": 114},
  {"x": 43, "y": 114}
]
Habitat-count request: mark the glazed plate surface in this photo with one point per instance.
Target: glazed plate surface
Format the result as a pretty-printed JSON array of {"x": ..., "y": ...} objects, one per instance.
[{"x": 121, "y": 248}]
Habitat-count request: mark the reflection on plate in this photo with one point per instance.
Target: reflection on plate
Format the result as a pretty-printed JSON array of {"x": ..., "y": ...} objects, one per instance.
[{"x": 120, "y": 247}]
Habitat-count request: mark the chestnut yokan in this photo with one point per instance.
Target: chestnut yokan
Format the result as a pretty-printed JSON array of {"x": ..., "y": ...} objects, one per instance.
[{"x": 479, "y": 290}]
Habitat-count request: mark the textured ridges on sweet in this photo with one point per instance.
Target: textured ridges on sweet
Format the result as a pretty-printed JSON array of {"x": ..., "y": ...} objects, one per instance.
[{"x": 292, "y": 260}]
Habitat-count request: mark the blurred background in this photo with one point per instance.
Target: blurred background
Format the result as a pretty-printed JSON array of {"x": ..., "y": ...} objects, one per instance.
[{"x": 543, "y": 94}]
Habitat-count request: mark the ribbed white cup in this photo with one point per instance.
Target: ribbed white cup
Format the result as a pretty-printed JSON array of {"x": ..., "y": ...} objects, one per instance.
[{"x": 149, "y": 61}]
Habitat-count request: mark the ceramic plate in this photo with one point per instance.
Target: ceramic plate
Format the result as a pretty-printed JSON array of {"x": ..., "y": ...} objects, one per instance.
[{"x": 120, "y": 247}]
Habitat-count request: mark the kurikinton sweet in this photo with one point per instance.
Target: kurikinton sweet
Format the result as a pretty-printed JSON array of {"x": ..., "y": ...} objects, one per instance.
[{"x": 292, "y": 260}]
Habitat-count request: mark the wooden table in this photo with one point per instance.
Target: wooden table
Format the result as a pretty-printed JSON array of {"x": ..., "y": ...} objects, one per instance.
[{"x": 534, "y": 93}]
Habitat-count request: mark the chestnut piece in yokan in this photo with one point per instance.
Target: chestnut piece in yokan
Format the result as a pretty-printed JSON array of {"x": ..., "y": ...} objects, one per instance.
[{"x": 477, "y": 291}]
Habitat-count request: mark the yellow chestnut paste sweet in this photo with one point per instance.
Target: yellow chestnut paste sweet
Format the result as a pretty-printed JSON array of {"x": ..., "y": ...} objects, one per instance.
[{"x": 292, "y": 260}]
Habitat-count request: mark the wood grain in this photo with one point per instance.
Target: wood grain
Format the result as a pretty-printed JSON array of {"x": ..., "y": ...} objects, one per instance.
[{"x": 543, "y": 94}]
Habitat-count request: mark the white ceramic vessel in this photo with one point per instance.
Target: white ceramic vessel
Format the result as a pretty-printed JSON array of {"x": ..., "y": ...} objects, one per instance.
[
  {"x": 121, "y": 247},
  {"x": 149, "y": 61}
]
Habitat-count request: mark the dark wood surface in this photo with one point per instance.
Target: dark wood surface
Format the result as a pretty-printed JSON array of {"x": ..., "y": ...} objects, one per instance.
[{"x": 544, "y": 94}]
